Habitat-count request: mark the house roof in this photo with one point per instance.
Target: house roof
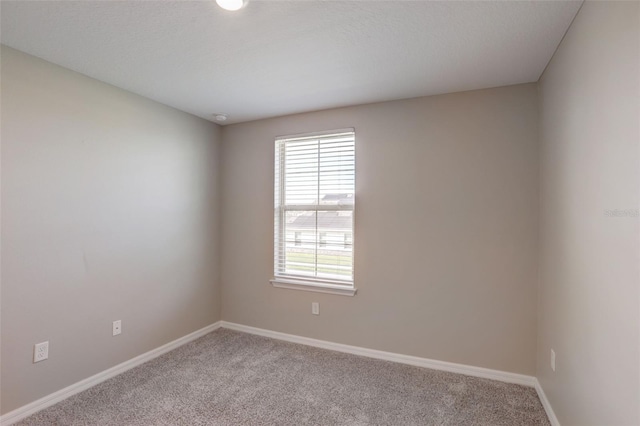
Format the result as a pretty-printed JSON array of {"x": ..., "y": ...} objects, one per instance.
[
  {"x": 340, "y": 198},
  {"x": 326, "y": 220}
]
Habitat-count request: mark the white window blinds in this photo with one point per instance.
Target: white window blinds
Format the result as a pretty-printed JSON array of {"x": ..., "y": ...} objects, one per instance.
[{"x": 314, "y": 205}]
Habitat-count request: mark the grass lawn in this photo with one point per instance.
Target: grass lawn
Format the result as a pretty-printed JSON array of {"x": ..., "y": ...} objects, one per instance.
[{"x": 305, "y": 262}]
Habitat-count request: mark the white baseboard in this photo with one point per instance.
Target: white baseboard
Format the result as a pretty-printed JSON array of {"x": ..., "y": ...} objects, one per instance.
[
  {"x": 49, "y": 400},
  {"x": 503, "y": 376},
  {"x": 547, "y": 405},
  {"x": 468, "y": 370}
]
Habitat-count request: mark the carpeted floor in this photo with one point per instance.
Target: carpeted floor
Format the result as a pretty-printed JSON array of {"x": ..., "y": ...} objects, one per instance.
[{"x": 232, "y": 378}]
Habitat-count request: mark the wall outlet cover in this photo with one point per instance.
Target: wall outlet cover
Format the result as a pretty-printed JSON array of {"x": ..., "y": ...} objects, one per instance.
[
  {"x": 40, "y": 351},
  {"x": 117, "y": 327}
]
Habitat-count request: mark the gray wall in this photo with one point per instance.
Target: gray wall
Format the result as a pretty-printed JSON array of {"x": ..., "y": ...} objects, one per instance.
[
  {"x": 589, "y": 269},
  {"x": 109, "y": 211},
  {"x": 445, "y": 235}
]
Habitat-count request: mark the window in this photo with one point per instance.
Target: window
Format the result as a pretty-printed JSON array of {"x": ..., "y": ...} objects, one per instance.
[
  {"x": 314, "y": 205},
  {"x": 348, "y": 240},
  {"x": 323, "y": 239}
]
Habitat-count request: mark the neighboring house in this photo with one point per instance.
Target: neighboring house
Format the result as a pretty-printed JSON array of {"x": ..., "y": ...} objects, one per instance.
[{"x": 333, "y": 229}]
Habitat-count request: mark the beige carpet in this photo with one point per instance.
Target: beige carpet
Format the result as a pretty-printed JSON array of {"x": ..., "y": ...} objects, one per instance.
[{"x": 232, "y": 378}]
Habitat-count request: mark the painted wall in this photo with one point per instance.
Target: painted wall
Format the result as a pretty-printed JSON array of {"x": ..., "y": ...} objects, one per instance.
[
  {"x": 109, "y": 211},
  {"x": 445, "y": 229},
  {"x": 590, "y": 269}
]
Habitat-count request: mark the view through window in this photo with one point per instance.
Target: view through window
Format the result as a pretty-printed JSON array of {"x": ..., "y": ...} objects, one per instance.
[{"x": 314, "y": 205}]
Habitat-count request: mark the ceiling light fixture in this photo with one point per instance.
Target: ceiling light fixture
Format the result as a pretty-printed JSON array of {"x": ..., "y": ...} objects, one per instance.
[
  {"x": 231, "y": 4},
  {"x": 220, "y": 117}
]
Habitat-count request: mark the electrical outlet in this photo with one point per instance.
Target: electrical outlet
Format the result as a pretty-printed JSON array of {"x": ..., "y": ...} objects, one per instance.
[
  {"x": 553, "y": 360},
  {"x": 117, "y": 327},
  {"x": 315, "y": 308},
  {"x": 40, "y": 351}
]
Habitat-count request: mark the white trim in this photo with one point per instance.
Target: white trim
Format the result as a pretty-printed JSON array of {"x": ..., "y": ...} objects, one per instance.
[
  {"x": 312, "y": 135},
  {"x": 51, "y": 399},
  {"x": 503, "y": 376},
  {"x": 547, "y": 405},
  {"x": 318, "y": 287},
  {"x": 468, "y": 370}
]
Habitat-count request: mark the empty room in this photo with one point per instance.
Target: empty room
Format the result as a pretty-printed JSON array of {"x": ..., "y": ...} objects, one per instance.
[{"x": 263, "y": 212}]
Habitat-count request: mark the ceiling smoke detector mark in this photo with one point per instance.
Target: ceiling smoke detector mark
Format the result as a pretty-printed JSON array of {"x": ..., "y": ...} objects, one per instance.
[{"x": 220, "y": 117}]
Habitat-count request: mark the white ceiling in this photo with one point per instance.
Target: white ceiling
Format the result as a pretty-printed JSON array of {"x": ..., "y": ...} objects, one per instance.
[{"x": 281, "y": 57}]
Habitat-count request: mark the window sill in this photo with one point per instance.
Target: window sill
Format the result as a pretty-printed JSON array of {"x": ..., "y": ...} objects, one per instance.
[{"x": 318, "y": 287}]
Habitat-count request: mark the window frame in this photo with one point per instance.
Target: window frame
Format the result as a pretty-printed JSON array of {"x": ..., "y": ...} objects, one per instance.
[{"x": 292, "y": 281}]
